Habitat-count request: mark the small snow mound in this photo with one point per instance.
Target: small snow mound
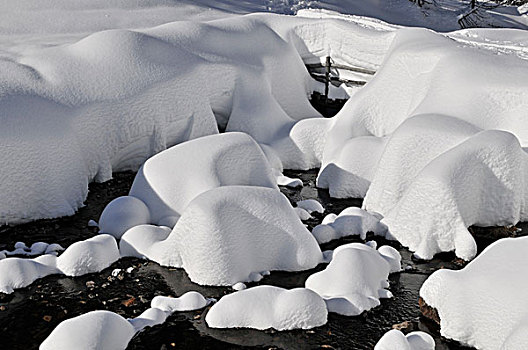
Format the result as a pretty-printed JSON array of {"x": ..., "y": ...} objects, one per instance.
[
  {"x": 91, "y": 255},
  {"x": 283, "y": 180},
  {"x": 266, "y": 307},
  {"x": 187, "y": 302},
  {"x": 302, "y": 214},
  {"x": 239, "y": 286},
  {"x": 94, "y": 330},
  {"x": 123, "y": 213},
  {"x": 396, "y": 340},
  {"x": 351, "y": 221},
  {"x": 354, "y": 281},
  {"x": 310, "y": 205}
]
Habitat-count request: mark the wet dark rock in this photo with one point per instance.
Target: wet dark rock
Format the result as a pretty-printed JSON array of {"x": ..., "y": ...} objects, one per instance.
[{"x": 428, "y": 311}]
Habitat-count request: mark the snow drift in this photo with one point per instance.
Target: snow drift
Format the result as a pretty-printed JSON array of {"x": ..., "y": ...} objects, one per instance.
[
  {"x": 266, "y": 307},
  {"x": 356, "y": 278},
  {"x": 484, "y": 305}
]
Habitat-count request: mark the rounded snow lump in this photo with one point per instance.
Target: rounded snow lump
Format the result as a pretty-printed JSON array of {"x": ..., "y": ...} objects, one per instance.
[
  {"x": 266, "y": 307},
  {"x": 94, "y": 330},
  {"x": 123, "y": 213}
]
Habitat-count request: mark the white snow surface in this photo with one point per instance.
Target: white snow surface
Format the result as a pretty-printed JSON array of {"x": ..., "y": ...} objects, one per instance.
[
  {"x": 484, "y": 305},
  {"x": 107, "y": 330},
  {"x": 264, "y": 307},
  {"x": 227, "y": 235},
  {"x": 311, "y": 206},
  {"x": 396, "y": 340},
  {"x": 351, "y": 221},
  {"x": 91, "y": 255},
  {"x": 356, "y": 278}
]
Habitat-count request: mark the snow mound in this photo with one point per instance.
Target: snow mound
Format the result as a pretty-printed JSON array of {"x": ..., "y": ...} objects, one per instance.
[
  {"x": 310, "y": 205},
  {"x": 355, "y": 279},
  {"x": 107, "y": 330},
  {"x": 266, "y": 307},
  {"x": 123, "y": 213},
  {"x": 227, "y": 235},
  {"x": 36, "y": 248},
  {"x": 396, "y": 340},
  {"x": 91, "y": 255},
  {"x": 170, "y": 180},
  {"x": 351, "y": 221},
  {"x": 445, "y": 197},
  {"x": 94, "y": 330},
  {"x": 484, "y": 305}
]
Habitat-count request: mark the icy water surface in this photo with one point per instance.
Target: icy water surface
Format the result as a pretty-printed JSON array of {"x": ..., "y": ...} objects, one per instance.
[{"x": 29, "y": 315}]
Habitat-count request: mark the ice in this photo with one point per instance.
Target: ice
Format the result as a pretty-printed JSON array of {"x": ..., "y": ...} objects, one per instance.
[
  {"x": 355, "y": 279},
  {"x": 351, "y": 221},
  {"x": 484, "y": 305},
  {"x": 394, "y": 339},
  {"x": 266, "y": 307},
  {"x": 227, "y": 235}
]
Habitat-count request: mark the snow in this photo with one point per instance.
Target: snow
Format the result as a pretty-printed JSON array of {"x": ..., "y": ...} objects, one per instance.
[
  {"x": 91, "y": 255},
  {"x": 37, "y": 248},
  {"x": 484, "y": 305},
  {"x": 227, "y": 235},
  {"x": 303, "y": 214},
  {"x": 107, "y": 330},
  {"x": 123, "y": 213},
  {"x": 311, "y": 206},
  {"x": 355, "y": 279},
  {"x": 170, "y": 180},
  {"x": 395, "y": 339},
  {"x": 264, "y": 307},
  {"x": 351, "y": 221}
]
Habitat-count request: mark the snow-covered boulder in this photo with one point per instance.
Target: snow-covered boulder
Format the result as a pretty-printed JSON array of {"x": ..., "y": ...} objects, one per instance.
[
  {"x": 355, "y": 279},
  {"x": 446, "y": 196},
  {"x": 170, "y": 180},
  {"x": 311, "y": 205},
  {"x": 266, "y": 307},
  {"x": 396, "y": 340},
  {"x": 229, "y": 234},
  {"x": 91, "y": 255},
  {"x": 351, "y": 221},
  {"x": 123, "y": 213},
  {"x": 484, "y": 305},
  {"x": 94, "y": 330},
  {"x": 187, "y": 302}
]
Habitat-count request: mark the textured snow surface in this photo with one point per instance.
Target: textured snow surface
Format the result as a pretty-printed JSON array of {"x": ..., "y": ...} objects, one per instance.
[
  {"x": 108, "y": 330},
  {"x": 396, "y": 340},
  {"x": 484, "y": 305},
  {"x": 91, "y": 255},
  {"x": 356, "y": 278},
  {"x": 351, "y": 221},
  {"x": 266, "y": 307},
  {"x": 227, "y": 235}
]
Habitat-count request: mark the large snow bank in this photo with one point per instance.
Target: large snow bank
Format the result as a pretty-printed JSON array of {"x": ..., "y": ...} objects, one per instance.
[
  {"x": 266, "y": 307},
  {"x": 91, "y": 255},
  {"x": 107, "y": 330},
  {"x": 227, "y": 235},
  {"x": 356, "y": 278},
  {"x": 396, "y": 340},
  {"x": 484, "y": 305}
]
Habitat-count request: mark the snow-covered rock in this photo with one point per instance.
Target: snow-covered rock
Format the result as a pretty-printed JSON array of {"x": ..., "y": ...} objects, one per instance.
[
  {"x": 355, "y": 279},
  {"x": 91, "y": 255},
  {"x": 187, "y": 302},
  {"x": 123, "y": 213},
  {"x": 93, "y": 330},
  {"x": 264, "y": 307},
  {"x": 311, "y": 205},
  {"x": 170, "y": 180},
  {"x": 484, "y": 305},
  {"x": 227, "y": 235},
  {"x": 351, "y": 221},
  {"x": 396, "y": 340}
]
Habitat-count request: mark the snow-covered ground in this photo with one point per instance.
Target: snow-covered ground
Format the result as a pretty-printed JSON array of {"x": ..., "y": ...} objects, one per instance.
[{"x": 435, "y": 142}]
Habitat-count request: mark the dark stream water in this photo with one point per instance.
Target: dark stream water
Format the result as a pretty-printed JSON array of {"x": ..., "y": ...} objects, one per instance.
[{"x": 29, "y": 315}]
